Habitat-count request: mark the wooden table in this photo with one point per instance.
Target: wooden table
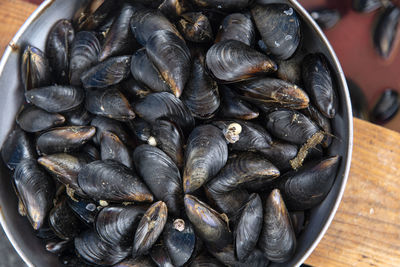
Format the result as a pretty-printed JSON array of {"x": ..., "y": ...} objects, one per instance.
[{"x": 366, "y": 228}]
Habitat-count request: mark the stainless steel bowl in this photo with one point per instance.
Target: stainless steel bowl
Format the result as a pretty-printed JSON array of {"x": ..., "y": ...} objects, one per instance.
[{"x": 34, "y": 32}]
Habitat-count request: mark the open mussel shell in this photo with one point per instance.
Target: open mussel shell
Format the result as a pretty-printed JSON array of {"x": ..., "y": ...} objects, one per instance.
[
  {"x": 322, "y": 121},
  {"x": 112, "y": 147},
  {"x": 195, "y": 27},
  {"x": 36, "y": 190},
  {"x": 142, "y": 261},
  {"x": 385, "y": 33},
  {"x": 223, "y": 5},
  {"x": 201, "y": 94},
  {"x": 144, "y": 71},
  {"x": 35, "y": 68},
  {"x": 32, "y": 119},
  {"x": 79, "y": 116},
  {"x": 116, "y": 225},
  {"x": 110, "y": 180},
  {"x": 310, "y": 185},
  {"x": 179, "y": 239},
  {"x": 174, "y": 8},
  {"x": 326, "y": 18},
  {"x": 165, "y": 105},
  {"x": 206, "y": 154},
  {"x": 233, "y": 61},
  {"x": 103, "y": 124},
  {"x": 280, "y": 154},
  {"x": 58, "y": 47},
  {"x": 238, "y": 27},
  {"x": 63, "y": 221},
  {"x": 209, "y": 224},
  {"x": 161, "y": 175},
  {"x": 386, "y": 107},
  {"x": 64, "y": 139},
  {"x": 92, "y": 249},
  {"x": 205, "y": 260},
  {"x": 171, "y": 57},
  {"x": 228, "y": 258},
  {"x": 233, "y": 107},
  {"x": 318, "y": 83},
  {"x": 57, "y": 98},
  {"x": 90, "y": 16},
  {"x": 366, "y": 6},
  {"x": 85, "y": 209},
  {"x": 84, "y": 53},
  {"x": 279, "y": 27},
  {"x": 277, "y": 239},
  {"x": 110, "y": 103},
  {"x": 150, "y": 228},
  {"x": 109, "y": 72}
]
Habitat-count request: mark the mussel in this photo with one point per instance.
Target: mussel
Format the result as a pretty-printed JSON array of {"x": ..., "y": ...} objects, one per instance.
[
  {"x": 195, "y": 27},
  {"x": 32, "y": 119},
  {"x": 35, "y": 68},
  {"x": 366, "y": 6},
  {"x": 326, "y": 18},
  {"x": 237, "y": 26},
  {"x": 386, "y": 107},
  {"x": 113, "y": 148},
  {"x": 233, "y": 107},
  {"x": 386, "y": 31},
  {"x": 63, "y": 221},
  {"x": 91, "y": 15}
]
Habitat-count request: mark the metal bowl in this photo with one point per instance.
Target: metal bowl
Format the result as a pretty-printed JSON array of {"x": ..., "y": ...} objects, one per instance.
[{"x": 35, "y": 30}]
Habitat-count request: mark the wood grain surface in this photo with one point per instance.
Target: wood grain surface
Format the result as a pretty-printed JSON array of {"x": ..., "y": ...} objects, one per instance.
[{"x": 366, "y": 228}]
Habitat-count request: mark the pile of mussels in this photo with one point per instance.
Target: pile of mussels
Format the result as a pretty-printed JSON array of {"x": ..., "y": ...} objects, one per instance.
[{"x": 160, "y": 133}]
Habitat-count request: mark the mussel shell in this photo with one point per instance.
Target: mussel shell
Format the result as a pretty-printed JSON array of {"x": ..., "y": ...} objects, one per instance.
[
  {"x": 110, "y": 103},
  {"x": 195, "y": 27},
  {"x": 57, "y": 98},
  {"x": 206, "y": 154},
  {"x": 93, "y": 14},
  {"x": 279, "y": 27},
  {"x": 92, "y": 249},
  {"x": 63, "y": 221},
  {"x": 32, "y": 119},
  {"x": 113, "y": 148},
  {"x": 133, "y": 89},
  {"x": 144, "y": 71},
  {"x": 78, "y": 117},
  {"x": 180, "y": 243},
  {"x": 309, "y": 186},
  {"x": 109, "y": 180},
  {"x": 366, "y": 6},
  {"x": 143, "y": 261},
  {"x": 277, "y": 239},
  {"x": 319, "y": 84},
  {"x": 223, "y": 5},
  {"x": 322, "y": 121},
  {"x": 150, "y": 228},
  {"x": 209, "y": 224},
  {"x": 116, "y": 225},
  {"x": 238, "y": 27},
  {"x": 58, "y": 46},
  {"x": 161, "y": 175},
  {"x": 35, "y": 68},
  {"x": 169, "y": 139},
  {"x": 36, "y": 191},
  {"x": 103, "y": 124},
  {"x": 174, "y": 8},
  {"x": 280, "y": 154},
  {"x": 201, "y": 94},
  {"x": 205, "y": 260},
  {"x": 248, "y": 227},
  {"x": 64, "y": 139},
  {"x": 326, "y": 18},
  {"x": 233, "y": 107},
  {"x": 171, "y": 57},
  {"x": 85, "y": 209},
  {"x": 386, "y": 107},
  {"x": 160, "y": 256},
  {"x": 228, "y": 258},
  {"x": 109, "y": 72},
  {"x": 165, "y": 105},
  {"x": 84, "y": 53},
  {"x": 291, "y": 126},
  {"x": 233, "y": 61}
]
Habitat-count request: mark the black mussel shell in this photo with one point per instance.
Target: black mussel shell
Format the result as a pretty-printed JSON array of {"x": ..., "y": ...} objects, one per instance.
[
  {"x": 35, "y": 189},
  {"x": 291, "y": 126},
  {"x": 90, "y": 16},
  {"x": 58, "y": 47},
  {"x": 64, "y": 139},
  {"x": 32, "y": 119},
  {"x": 35, "y": 68},
  {"x": 223, "y": 5},
  {"x": 271, "y": 90},
  {"x": 322, "y": 121},
  {"x": 249, "y": 227},
  {"x": 277, "y": 239},
  {"x": 143, "y": 261},
  {"x": 318, "y": 83},
  {"x": 103, "y": 124},
  {"x": 209, "y": 224},
  {"x": 144, "y": 71},
  {"x": 326, "y": 18},
  {"x": 161, "y": 175},
  {"x": 233, "y": 61},
  {"x": 279, "y": 27},
  {"x": 133, "y": 89},
  {"x": 63, "y": 221},
  {"x": 150, "y": 228},
  {"x": 179, "y": 239},
  {"x": 228, "y": 258},
  {"x": 57, "y": 98},
  {"x": 84, "y": 53},
  {"x": 366, "y": 6},
  {"x": 92, "y": 249},
  {"x": 206, "y": 154},
  {"x": 160, "y": 256},
  {"x": 165, "y": 105},
  {"x": 116, "y": 225},
  {"x": 142, "y": 130},
  {"x": 238, "y": 27},
  {"x": 112, "y": 147},
  {"x": 241, "y": 170},
  {"x": 109, "y": 72},
  {"x": 174, "y": 8},
  {"x": 110, "y": 180},
  {"x": 85, "y": 209},
  {"x": 233, "y": 107},
  {"x": 171, "y": 57},
  {"x": 78, "y": 117},
  {"x": 169, "y": 139},
  {"x": 110, "y": 103},
  {"x": 309, "y": 186},
  {"x": 201, "y": 94},
  {"x": 386, "y": 107},
  {"x": 205, "y": 260},
  {"x": 58, "y": 246},
  {"x": 195, "y": 27},
  {"x": 386, "y": 31}
]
